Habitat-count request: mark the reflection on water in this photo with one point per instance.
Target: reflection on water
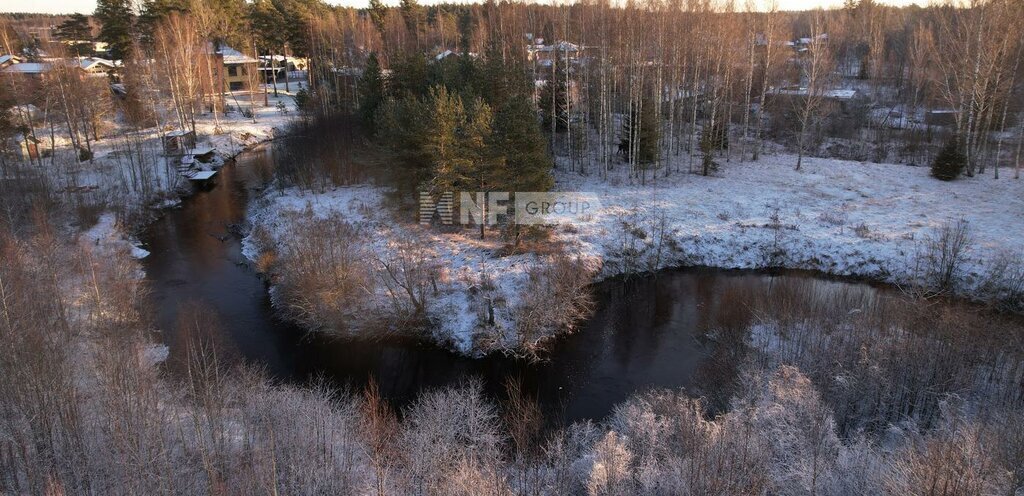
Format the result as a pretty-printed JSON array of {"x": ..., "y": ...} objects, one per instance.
[{"x": 647, "y": 332}]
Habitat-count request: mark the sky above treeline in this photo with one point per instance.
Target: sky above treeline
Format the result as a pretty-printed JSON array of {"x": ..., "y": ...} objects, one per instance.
[{"x": 87, "y": 6}]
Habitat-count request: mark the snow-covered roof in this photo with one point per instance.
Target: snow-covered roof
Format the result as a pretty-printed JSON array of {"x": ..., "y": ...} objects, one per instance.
[
  {"x": 232, "y": 56},
  {"x": 202, "y": 175},
  {"x": 9, "y": 58},
  {"x": 561, "y": 46},
  {"x": 28, "y": 68},
  {"x": 840, "y": 94},
  {"x": 28, "y": 110},
  {"x": 89, "y": 63},
  {"x": 28, "y": 107}
]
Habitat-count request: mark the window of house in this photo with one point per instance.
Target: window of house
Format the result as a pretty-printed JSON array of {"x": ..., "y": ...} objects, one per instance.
[{"x": 232, "y": 71}]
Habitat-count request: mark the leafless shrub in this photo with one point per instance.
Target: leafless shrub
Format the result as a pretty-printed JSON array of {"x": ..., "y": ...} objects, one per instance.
[
  {"x": 943, "y": 253},
  {"x": 379, "y": 431},
  {"x": 1003, "y": 282},
  {"x": 954, "y": 462},
  {"x": 523, "y": 419},
  {"x": 610, "y": 471},
  {"x": 644, "y": 241},
  {"x": 833, "y": 218},
  {"x": 324, "y": 274},
  {"x": 774, "y": 253},
  {"x": 446, "y": 433},
  {"x": 862, "y": 231},
  {"x": 409, "y": 275},
  {"x": 556, "y": 298}
]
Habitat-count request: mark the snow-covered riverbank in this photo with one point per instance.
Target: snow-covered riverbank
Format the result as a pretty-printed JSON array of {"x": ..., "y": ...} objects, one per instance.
[
  {"x": 130, "y": 172},
  {"x": 839, "y": 217}
]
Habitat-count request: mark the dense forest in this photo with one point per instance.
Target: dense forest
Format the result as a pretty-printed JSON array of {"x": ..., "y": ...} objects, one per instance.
[{"x": 661, "y": 86}]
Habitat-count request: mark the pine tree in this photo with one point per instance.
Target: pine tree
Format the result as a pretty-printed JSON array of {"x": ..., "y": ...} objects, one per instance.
[
  {"x": 268, "y": 26},
  {"x": 115, "y": 17},
  {"x": 482, "y": 157},
  {"x": 520, "y": 140},
  {"x": 76, "y": 29},
  {"x": 154, "y": 12},
  {"x": 378, "y": 13},
  {"x": 402, "y": 126},
  {"x": 412, "y": 13},
  {"x": 371, "y": 91},
  {"x": 441, "y": 141},
  {"x": 646, "y": 148},
  {"x": 409, "y": 76},
  {"x": 950, "y": 161},
  {"x": 554, "y": 90},
  {"x": 707, "y": 148},
  {"x": 713, "y": 138}
]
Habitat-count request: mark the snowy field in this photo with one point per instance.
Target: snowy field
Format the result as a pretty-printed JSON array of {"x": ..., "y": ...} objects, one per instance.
[{"x": 840, "y": 217}]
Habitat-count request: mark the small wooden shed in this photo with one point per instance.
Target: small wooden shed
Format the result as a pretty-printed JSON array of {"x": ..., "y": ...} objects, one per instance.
[{"x": 179, "y": 141}]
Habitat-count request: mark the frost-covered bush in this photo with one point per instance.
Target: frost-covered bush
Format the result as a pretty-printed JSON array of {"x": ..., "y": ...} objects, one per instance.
[
  {"x": 555, "y": 299},
  {"x": 323, "y": 273},
  {"x": 944, "y": 252}
]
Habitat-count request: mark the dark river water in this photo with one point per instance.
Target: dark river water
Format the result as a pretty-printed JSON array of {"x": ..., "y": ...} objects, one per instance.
[{"x": 647, "y": 332}]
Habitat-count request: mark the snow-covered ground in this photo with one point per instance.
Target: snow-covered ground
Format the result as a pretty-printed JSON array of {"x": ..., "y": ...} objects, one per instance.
[
  {"x": 122, "y": 176},
  {"x": 840, "y": 217},
  {"x": 470, "y": 272}
]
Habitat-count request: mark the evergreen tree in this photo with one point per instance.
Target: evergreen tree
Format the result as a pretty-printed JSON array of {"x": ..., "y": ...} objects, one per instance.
[
  {"x": 76, "y": 29},
  {"x": 442, "y": 142},
  {"x": 455, "y": 73},
  {"x": 409, "y": 76},
  {"x": 520, "y": 140},
  {"x": 378, "y": 13},
  {"x": 371, "y": 90},
  {"x": 950, "y": 161},
  {"x": 482, "y": 158},
  {"x": 466, "y": 24},
  {"x": 268, "y": 27},
  {"x": 502, "y": 80},
  {"x": 647, "y": 135},
  {"x": 712, "y": 138},
  {"x": 554, "y": 90},
  {"x": 297, "y": 28},
  {"x": 412, "y": 13},
  {"x": 707, "y": 148},
  {"x": 717, "y": 136},
  {"x": 154, "y": 12},
  {"x": 116, "y": 18},
  {"x": 402, "y": 126}
]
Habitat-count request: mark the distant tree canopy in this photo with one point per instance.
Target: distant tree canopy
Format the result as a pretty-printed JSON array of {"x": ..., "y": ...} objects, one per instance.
[
  {"x": 77, "y": 31},
  {"x": 116, "y": 20},
  {"x": 75, "y": 27}
]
